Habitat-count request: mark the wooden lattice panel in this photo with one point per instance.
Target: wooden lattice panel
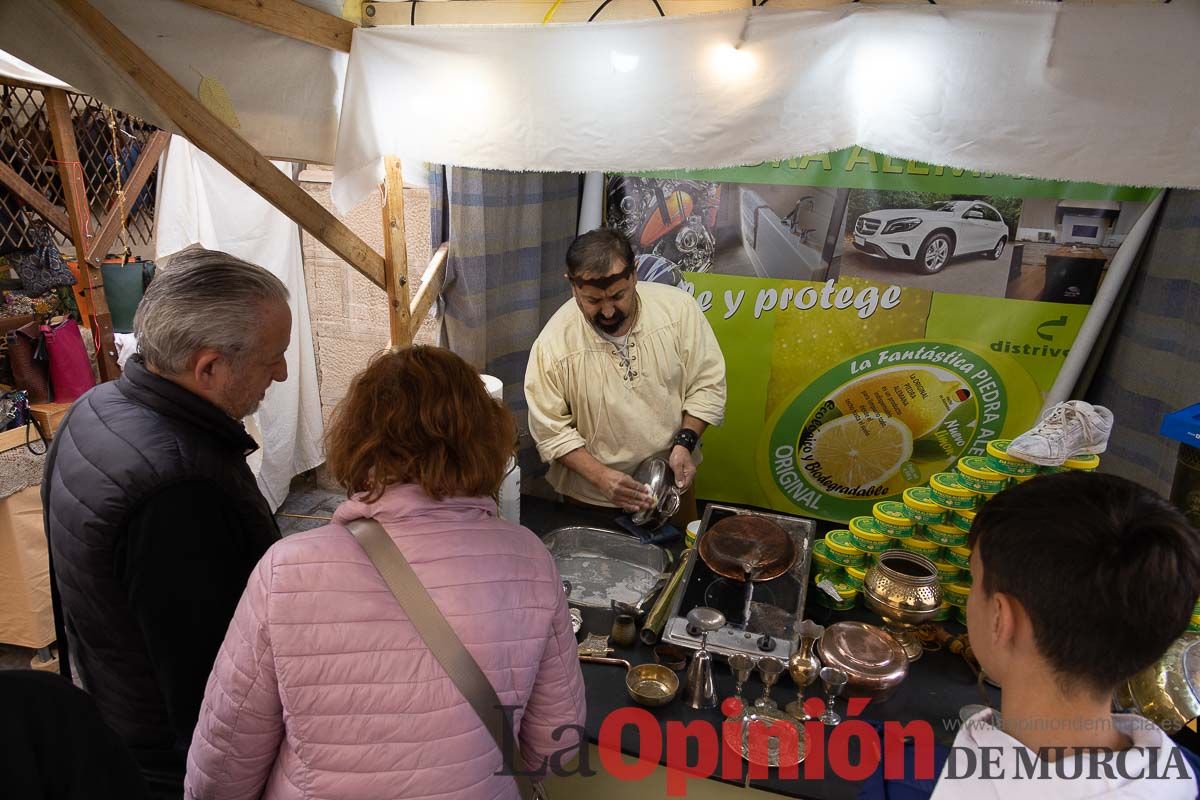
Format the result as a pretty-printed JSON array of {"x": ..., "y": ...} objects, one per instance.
[{"x": 26, "y": 146}]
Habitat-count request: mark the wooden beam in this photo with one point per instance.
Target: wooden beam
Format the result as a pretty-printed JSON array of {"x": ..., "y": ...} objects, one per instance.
[
  {"x": 132, "y": 187},
  {"x": 89, "y": 288},
  {"x": 395, "y": 254},
  {"x": 431, "y": 287},
  {"x": 35, "y": 199},
  {"x": 214, "y": 137},
  {"x": 70, "y": 170},
  {"x": 289, "y": 18},
  {"x": 11, "y": 440}
]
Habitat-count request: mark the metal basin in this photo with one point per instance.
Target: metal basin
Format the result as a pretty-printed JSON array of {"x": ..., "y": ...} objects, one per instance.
[{"x": 603, "y": 565}]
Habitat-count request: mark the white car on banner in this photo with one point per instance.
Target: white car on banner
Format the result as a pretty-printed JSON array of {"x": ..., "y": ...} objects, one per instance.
[{"x": 930, "y": 237}]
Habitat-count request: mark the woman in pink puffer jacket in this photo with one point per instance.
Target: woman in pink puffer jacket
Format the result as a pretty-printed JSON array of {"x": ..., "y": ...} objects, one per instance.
[{"x": 323, "y": 688}]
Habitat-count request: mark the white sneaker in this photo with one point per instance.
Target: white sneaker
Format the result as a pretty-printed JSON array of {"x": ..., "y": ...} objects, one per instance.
[{"x": 1069, "y": 429}]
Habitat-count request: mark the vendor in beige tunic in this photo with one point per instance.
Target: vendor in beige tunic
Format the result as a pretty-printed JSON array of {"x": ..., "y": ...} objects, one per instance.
[{"x": 622, "y": 372}]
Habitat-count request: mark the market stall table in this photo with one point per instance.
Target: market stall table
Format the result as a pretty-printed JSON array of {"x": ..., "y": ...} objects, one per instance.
[{"x": 937, "y": 686}]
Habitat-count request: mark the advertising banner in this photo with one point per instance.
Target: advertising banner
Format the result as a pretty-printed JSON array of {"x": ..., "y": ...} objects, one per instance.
[{"x": 879, "y": 318}]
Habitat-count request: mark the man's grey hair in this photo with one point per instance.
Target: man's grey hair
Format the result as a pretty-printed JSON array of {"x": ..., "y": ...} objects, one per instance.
[{"x": 203, "y": 299}]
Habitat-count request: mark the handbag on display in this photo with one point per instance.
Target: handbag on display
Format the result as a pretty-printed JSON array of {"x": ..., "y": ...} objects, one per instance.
[
  {"x": 42, "y": 267},
  {"x": 26, "y": 360},
  {"x": 444, "y": 643},
  {"x": 14, "y": 412},
  {"x": 70, "y": 368},
  {"x": 125, "y": 280}
]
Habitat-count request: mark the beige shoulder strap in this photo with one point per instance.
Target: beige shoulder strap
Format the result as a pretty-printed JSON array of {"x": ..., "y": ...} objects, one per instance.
[{"x": 441, "y": 639}]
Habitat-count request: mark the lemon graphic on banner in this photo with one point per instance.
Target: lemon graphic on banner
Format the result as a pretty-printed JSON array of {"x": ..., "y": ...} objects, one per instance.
[
  {"x": 919, "y": 396},
  {"x": 860, "y": 451}
]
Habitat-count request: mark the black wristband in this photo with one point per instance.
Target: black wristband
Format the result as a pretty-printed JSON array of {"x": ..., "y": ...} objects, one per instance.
[{"x": 686, "y": 437}]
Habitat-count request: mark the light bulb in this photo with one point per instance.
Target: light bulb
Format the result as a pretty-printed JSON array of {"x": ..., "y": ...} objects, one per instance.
[
  {"x": 623, "y": 62},
  {"x": 733, "y": 63}
]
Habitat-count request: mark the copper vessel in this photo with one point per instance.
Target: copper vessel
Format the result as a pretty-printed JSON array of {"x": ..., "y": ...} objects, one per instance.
[{"x": 874, "y": 662}]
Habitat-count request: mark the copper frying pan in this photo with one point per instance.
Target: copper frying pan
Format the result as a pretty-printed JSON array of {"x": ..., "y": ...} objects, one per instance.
[{"x": 748, "y": 548}]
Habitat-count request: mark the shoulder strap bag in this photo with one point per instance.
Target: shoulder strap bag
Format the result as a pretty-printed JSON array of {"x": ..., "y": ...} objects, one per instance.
[{"x": 443, "y": 642}]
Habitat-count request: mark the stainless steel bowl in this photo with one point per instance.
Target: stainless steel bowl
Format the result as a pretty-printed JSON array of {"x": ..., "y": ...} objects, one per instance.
[{"x": 657, "y": 474}]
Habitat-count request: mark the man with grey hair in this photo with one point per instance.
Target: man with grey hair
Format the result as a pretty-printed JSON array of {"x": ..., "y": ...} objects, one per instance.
[{"x": 154, "y": 518}]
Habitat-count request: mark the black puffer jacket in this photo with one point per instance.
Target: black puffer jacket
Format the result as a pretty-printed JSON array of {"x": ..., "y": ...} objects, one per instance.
[{"x": 155, "y": 522}]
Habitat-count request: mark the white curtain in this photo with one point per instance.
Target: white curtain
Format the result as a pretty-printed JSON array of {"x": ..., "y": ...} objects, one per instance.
[
  {"x": 200, "y": 202},
  {"x": 1052, "y": 90}
]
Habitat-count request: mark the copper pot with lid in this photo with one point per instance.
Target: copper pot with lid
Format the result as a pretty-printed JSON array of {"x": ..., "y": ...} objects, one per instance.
[{"x": 874, "y": 662}]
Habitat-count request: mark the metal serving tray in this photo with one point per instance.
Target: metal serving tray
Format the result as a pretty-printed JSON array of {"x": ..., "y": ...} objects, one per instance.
[{"x": 604, "y": 565}]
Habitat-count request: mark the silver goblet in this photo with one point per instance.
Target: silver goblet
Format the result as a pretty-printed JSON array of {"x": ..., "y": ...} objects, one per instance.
[{"x": 834, "y": 681}]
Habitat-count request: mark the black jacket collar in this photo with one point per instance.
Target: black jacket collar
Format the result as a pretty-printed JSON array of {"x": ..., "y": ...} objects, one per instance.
[{"x": 172, "y": 400}]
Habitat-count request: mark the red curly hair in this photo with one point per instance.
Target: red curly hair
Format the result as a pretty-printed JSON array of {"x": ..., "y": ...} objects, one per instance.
[{"x": 420, "y": 415}]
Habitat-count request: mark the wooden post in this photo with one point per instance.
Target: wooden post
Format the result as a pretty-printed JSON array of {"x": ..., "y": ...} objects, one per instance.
[
  {"x": 89, "y": 288},
  {"x": 205, "y": 130},
  {"x": 395, "y": 254}
]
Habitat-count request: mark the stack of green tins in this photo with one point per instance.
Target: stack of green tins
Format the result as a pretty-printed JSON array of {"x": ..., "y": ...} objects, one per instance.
[
  {"x": 1194, "y": 625},
  {"x": 933, "y": 521}
]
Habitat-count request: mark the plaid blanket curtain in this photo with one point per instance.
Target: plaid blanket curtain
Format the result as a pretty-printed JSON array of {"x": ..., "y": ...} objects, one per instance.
[
  {"x": 508, "y": 233},
  {"x": 1151, "y": 365}
]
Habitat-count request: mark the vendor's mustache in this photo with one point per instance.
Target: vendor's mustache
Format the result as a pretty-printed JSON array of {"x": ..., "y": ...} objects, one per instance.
[{"x": 611, "y": 322}]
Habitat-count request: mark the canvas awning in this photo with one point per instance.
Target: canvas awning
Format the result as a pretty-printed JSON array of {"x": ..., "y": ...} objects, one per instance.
[
  {"x": 280, "y": 94},
  {"x": 1079, "y": 93},
  {"x": 1063, "y": 90}
]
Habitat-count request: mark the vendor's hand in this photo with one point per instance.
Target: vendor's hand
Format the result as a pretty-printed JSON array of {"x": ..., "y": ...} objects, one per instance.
[
  {"x": 626, "y": 493},
  {"x": 683, "y": 466}
]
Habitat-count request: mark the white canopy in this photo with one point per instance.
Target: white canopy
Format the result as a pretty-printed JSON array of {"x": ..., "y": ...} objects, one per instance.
[
  {"x": 1053, "y": 90},
  {"x": 1047, "y": 90}
]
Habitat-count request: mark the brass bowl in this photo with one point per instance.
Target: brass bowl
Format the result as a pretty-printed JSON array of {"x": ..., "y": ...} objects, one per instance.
[
  {"x": 652, "y": 684},
  {"x": 903, "y": 588},
  {"x": 1168, "y": 691}
]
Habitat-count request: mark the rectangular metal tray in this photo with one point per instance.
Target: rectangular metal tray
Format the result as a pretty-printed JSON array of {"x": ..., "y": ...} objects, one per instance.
[{"x": 604, "y": 565}]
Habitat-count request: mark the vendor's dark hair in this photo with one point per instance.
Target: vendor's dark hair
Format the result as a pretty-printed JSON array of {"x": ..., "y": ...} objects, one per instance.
[
  {"x": 594, "y": 252},
  {"x": 1107, "y": 570}
]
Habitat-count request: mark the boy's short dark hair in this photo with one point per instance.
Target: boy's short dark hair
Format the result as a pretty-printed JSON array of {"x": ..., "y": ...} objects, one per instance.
[
  {"x": 593, "y": 253},
  {"x": 1107, "y": 570}
]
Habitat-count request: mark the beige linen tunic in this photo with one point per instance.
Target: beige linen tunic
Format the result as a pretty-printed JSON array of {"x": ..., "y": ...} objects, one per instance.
[{"x": 580, "y": 394}]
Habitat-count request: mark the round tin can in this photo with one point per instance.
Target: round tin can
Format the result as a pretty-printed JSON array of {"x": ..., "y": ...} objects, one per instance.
[
  {"x": 949, "y": 491},
  {"x": 1000, "y": 461},
  {"x": 945, "y": 535},
  {"x": 842, "y": 550},
  {"x": 959, "y": 557},
  {"x": 921, "y": 506},
  {"x": 894, "y": 519},
  {"x": 976, "y": 474},
  {"x": 868, "y": 536}
]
